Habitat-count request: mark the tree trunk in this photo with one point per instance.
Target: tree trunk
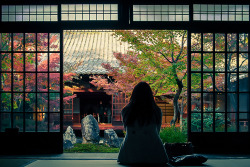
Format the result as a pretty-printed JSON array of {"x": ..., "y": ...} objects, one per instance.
[{"x": 176, "y": 97}]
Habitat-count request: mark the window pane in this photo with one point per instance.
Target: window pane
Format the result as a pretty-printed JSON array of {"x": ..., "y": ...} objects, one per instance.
[
  {"x": 208, "y": 102},
  {"x": 42, "y": 102},
  {"x": 42, "y": 122},
  {"x": 231, "y": 42},
  {"x": 30, "y": 102},
  {"x": 30, "y": 82},
  {"x": 42, "y": 41},
  {"x": 18, "y": 62},
  {"x": 30, "y": 122},
  {"x": 220, "y": 82},
  {"x": 232, "y": 122},
  {"x": 18, "y": 102},
  {"x": 208, "y": 122},
  {"x": 54, "y": 100},
  {"x": 54, "y": 41},
  {"x": 196, "y": 102},
  {"x": 243, "y": 82},
  {"x": 232, "y": 102},
  {"x": 54, "y": 79},
  {"x": 18, "y": 82},
  {"x": 54, "y": 122},
  {"x": 219, "y": 42},
  {"x": 5, "y": 102},
  {"x": 244, "y": 117},
  {"x": 208, "y": 82},
  {"x": 232, "y": 84},
  {"x": 195, "y": 82},
  {"x": 54, "y": 62},
  {"x": 5, "y": 42},
  {"x": 195, "y": 122},
  {"x": 196, "y": 62},
  {"x": 30, "y": 61},
  {"x": 42, "y": 82},
  {"x": 243, "y": 62},
  {"x": 5, "y": 61},
  {"x": 244, "y": 102},
  {"x": 208, "y": 62},
  {"x": 220, "y": 61},
  {"x": 232, "y": 62},
  {"x": 219, "y": 122},
  {"x": 220, "y": 102},
  {"x": 18, "y": 42},
  {"x": 5, "y": 82},
  {"x": 42, "y": 61},
  {"x": 208, "y": 42},
  {"x": 5, "y": 121},
  {"x": 30, "y": 42}
]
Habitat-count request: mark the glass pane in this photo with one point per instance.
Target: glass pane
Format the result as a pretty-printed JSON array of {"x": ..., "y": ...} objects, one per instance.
[
  {"x": 196, "y": 62},
  {"x": 208, "y": 122},
  {"x": 54, "y": 80},
  {"x": 231, "y": 42},
  {"x": 219, "y": 42},
  {"x": 42, "y": 102},
  {"x": 243, "y": 42},
  {"x": 42, "y": 41},
  {"x": 208, "y": 62},
  {"x": 18, "y": 42},
  {"x": 196, "y": 102},
  {"x": 54, "y": 102},
  {"x": 42, "y": 61},
  {"x": 5, "y": 62},
  {"x": 244, "y": 102},
  {"x": 5, "y": 42},
  {"x": 208, "y": 42},
  {"x": 243, "y": 82},
  {"x": 54, "y": 41},
  {"x": 219, "y": 122},
  {"x": 195, "y": 122},
  {"x": 5, "y": 103},
  {"x": 195, "y": 82},
  {"x": 220, "y": 102},
  {"x": 42, "y": 82},
  {"x": 208, "y": 102},
  {"x": 54, "y": 122},
  {"x": 30, "y": 42},
  {"x": 220, "y": 82},
  {"x": 5, "y": 82},
  {"x": 232, "y": 62},
  {"x": 232, "y": 102},
  {"x": 220, "y": 61},
  {"x": 30, "y": 122},
  {"x": 18, "y": 82},
  {"x": 232, "y": 83},
  {"x": 18, "y": 102},
  {"x": 232, "y": 122},
  {"x": 30, "y": 102},
  {"x": 244, "y": 117},
  {"x": 30, "y": 62},
  {"x": 208, "y": 82},
  {"x": 30, "y": 82},
  {"x": 42, "y": 122},
  {"x": 5, "y": 121},
  {"x": 243, "y": 62},
  {"x": 195, "y": 41},
  {"x": 18, "y": 62},
  {"x": 54, "y": 62},
  {"x": 18, "y": 121}
]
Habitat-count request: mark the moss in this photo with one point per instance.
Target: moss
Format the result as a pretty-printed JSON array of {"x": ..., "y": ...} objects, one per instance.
[{"x": 92, "y": 148}]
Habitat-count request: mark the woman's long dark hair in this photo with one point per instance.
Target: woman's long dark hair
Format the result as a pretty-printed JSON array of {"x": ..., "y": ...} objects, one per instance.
[{"x": 141, "y": 107}]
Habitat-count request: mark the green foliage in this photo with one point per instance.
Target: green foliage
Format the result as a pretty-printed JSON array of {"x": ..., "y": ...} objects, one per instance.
[
  {"x": 92, "y": 148},
  {"x": 173, "y": 135}
]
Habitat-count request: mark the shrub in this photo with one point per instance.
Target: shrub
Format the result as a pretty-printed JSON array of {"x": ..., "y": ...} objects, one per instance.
[{"x": 173, "y": 135}]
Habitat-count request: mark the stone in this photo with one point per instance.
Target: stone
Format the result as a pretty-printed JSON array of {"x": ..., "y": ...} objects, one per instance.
[
  {"x": 90, "y": 130},
  {"x": 67, "y": 144},
  {"x": 111, "y": 139},
  {"x": 69, "y": 135}
]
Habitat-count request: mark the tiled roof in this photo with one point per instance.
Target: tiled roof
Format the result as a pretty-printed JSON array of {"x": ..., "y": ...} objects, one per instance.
[{"x": 85, "y": 50}]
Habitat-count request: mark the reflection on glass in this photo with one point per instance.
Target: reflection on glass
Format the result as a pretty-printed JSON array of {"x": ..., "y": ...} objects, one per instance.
[
  {"x": 208, "y": 82},
  {"x": 42, "y": 82},
  {"x": 244, "y": 123},
  {"x": 208, "y": 62},
  {"x": 30, "y": 102},
  {"x": 5, "y": 42},
  {"x": 219, "y": 42},
  {"x": 196, "y": 62},
  {"x": 18, "y": 62},
  {"x": 208, "y": 122},
  {"x": 54, "y": 102},
  {"x": 30, "y": 42},
  {"x": 5, "y": 82},
  {"x": 219, "y": 122},
  {"x": 54, "y": 41},
  {"x": 18, "y": 121},
  {"x": 243, "y": 82},
  {"x": 5, "y": 121},
  {"x": 30, "y": 122},
  {"x": 232, "y": 122},
  {"x": 42, "y": 41},
  {"x": 207, "y": 42},
  {"x": 18, "y": 42},
  {"x": 243, "y": 42},
  {"x": 220, "y": 102},
  {"x": 219, "y": 61},
  {"x": 196, "y": 82},
  {"x": 42, "y": 102},
  {"x": 18, "y": 82},
  {"x": 208, "y": 102},
  {"x": 232, "y": 82},
  {"x": 5, "y": 102},
  {"x": 196, "y": 42},
  {"x": 17, "y": 102},
  {"x": 232, "y": 102},
  {"x": 231, "y": 42},
  {"x": 42, "y": 122},
  {"x": 220, "y": 82},
  {"x": 30, "y": 62},
  {"x": 196, "y": 102},
  {"x": 54, "y": 62},
  {"x": 54, "y": 122},
  {"x": 244, "y": 102},
  {"x": 5, "y": 61},
  {"x": 195, "y": 122},
  {"x": 30, "y": 82},
  {"x": 243, "y": 62},
  {"x": 42, "y": 61}
]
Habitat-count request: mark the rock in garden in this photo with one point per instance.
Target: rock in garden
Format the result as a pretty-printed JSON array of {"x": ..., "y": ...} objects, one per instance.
[
  {"x": 111, "y": 138},
  {"x": 69, "y": 135},
  {"x": 67, "y": 144},
  {"x": 90, "y": 130}
]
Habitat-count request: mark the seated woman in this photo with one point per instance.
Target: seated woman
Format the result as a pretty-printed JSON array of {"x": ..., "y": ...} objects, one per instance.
[{"x": 142, "y": 122}]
